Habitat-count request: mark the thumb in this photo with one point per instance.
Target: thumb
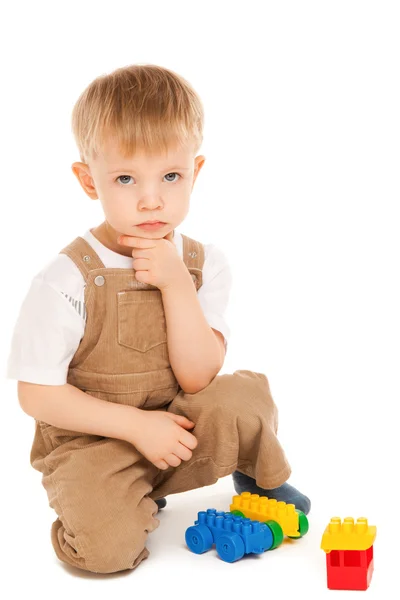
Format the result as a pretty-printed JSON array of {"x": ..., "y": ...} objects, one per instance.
[{"x": 182, "y": 421}]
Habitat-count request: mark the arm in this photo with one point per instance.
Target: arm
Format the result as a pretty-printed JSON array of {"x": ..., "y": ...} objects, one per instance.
[
  {"x": 160, "y": 436},
  {"x": 196, "y": 351},
  {"x": 67, "y": 407}
]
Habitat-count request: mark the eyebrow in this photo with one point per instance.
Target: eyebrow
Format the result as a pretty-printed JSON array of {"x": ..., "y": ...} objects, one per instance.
[{"x": 167, "y": 169}]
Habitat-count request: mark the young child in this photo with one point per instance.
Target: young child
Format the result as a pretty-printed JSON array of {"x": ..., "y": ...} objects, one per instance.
[{"x": 121, "y": 336}]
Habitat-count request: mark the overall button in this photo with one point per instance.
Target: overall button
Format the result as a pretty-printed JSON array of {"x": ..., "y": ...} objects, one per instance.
[{"x": 99, "y": 280}]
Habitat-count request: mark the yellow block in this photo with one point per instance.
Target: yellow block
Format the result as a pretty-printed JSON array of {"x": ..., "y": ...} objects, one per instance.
[
  {"x": 261, "y": 508},
  {"x": 348, "y": 535}
]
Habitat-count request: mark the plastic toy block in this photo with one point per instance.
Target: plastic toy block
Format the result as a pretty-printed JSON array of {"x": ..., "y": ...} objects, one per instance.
[
  {"x": 233, "y": 536},
  {"x": 349, "y": 553},
  {"x": 294, "y": 523},
  {"x": 348, "y": 535}
]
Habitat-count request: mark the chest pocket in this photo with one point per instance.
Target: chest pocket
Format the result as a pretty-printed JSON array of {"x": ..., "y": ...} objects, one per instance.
[{"x": 141, "y": 319}]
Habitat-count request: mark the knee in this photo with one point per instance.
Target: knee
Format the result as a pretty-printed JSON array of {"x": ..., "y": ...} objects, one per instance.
[
  {"x": 120, "y": 543},
  {"x": 104, "y": 559},
  {"x": 108, "y": 544},
  {"x": 242, "y": 393},
  {"x": 243, "y": 390},
  {"x": 97, "y": 553},
  {"x": 251, "y": 379}
]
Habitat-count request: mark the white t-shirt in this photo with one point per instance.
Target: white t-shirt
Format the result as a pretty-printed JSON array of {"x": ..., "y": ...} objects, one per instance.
[{"x": 52, "y": 318}]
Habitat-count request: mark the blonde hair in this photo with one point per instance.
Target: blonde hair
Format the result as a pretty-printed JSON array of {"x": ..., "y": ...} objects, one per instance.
[{"x": 141, "y": 107}]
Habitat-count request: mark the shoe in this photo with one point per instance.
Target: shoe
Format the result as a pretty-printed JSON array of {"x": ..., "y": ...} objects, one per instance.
[
  {"x": 286, "y": 492},
  {"x": 161, "y": 503}
]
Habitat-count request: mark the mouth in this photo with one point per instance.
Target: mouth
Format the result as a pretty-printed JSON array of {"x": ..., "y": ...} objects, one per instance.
[{"x": 151, "y": 223}]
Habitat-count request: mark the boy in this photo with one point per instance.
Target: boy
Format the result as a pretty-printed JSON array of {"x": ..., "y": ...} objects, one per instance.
[{"x": 121, "y": 337}]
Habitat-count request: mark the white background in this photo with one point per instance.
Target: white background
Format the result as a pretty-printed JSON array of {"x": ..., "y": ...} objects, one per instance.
[{"x": 300, "y": 188}]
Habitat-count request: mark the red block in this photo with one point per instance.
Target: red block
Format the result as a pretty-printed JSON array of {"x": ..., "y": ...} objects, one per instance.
[{"x": 349, "y": 569}]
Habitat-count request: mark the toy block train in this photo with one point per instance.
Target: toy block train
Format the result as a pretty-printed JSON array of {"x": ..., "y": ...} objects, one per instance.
[{"x": 254, "y": 525}]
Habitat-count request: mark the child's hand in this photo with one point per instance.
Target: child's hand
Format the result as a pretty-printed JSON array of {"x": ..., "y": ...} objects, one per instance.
[
  {"x": 156, "y": 261},
  {"x": 162, "y": 437}
]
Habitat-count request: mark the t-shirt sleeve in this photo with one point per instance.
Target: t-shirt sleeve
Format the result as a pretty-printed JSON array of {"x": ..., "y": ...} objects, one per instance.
[
  {"x": 45, "y": 337},
  {"x": 214, "y": 293}
]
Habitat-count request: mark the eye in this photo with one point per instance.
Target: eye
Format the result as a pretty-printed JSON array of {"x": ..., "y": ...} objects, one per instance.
[
  {"x": 129, "y": 177},
  {"x": 172, "y": 181},
  {"x": 121, "y": 176}
]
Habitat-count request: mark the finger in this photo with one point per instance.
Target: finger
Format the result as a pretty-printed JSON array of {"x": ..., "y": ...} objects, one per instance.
[
  {"x": 141, "y": 264},
  {"x": 136, "y": 242},
  {"x": 183, "y": 452},
  {"x": 173, "y": 460},
  {"x": 181, "y": 420},
  {"x": 142, "y": 276},
  {"x": 188, "y": 440},
  {"x": 161, "y": 464},
  {"x": 141, "y": 253}
]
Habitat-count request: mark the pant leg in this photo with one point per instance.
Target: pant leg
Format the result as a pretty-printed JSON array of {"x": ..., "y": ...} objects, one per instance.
[
  {"x": 236, "y": 428},
  {"x": 99, "y": 488}
]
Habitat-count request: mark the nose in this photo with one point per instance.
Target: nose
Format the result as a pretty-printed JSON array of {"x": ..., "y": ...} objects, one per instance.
[{"x": 150, "y": 202}]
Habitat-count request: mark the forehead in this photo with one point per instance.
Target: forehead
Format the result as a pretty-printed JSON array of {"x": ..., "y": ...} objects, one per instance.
[{"x": 112, "y": 158}]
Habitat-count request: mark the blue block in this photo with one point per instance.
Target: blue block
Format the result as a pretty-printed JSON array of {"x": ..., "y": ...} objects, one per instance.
[{"x": 233, "y": 536}]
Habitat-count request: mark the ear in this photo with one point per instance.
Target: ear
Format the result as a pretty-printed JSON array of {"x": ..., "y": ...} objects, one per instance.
[
  {"x": 82, "y": 173},
  {"x": 198, "y": 164}
]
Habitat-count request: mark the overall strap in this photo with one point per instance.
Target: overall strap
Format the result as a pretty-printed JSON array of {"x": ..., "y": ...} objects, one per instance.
[
  {"x": 86, "y": 259},
  {"x": 83, "y": 255},
  {"x": 193, "y": 257}
]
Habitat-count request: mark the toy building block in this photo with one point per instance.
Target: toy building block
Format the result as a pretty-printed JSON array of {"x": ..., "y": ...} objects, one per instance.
[
  {"x": 349, "y": 553},
  {"x": 282, "y": 518},
  {"x": 233, "y": 536}
]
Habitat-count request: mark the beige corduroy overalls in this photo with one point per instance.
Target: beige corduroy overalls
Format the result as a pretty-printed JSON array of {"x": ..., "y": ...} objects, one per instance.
[{"x": 103, "y": 489}]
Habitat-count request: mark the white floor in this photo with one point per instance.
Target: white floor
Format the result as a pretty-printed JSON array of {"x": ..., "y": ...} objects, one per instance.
[{"x": 297, "y": 568}]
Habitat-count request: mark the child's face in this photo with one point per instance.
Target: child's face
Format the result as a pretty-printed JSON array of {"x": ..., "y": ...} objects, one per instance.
[{"x": 143, "y": 188}]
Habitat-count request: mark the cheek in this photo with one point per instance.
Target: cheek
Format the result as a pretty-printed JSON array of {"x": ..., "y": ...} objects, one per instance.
[
  {"x": 183, "y": 194},
  {"x": 179, "y": 205},
  {"x": 116, "y": 201},
  {"x": 116, "y": 210}
]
